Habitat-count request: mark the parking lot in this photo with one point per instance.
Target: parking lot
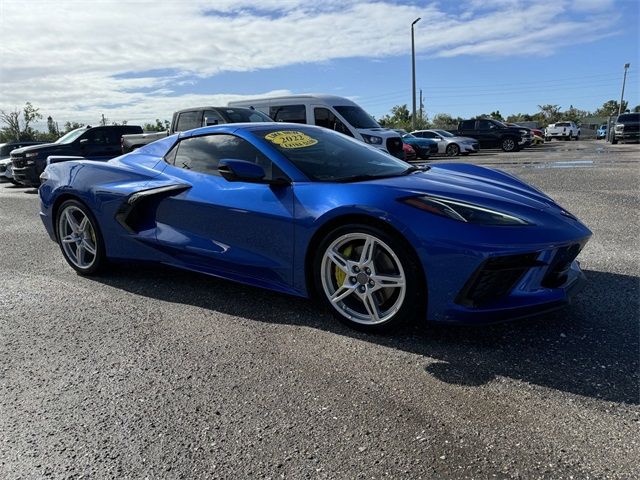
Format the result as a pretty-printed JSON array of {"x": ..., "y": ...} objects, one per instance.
[{"x": 149, "y": 372}]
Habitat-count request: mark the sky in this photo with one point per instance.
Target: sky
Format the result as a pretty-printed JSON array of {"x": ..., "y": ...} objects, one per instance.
[{"x": 138, "y": 60}]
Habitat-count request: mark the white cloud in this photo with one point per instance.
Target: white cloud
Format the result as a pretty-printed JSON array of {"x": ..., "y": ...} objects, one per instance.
[{"x": 69, "y": 57}]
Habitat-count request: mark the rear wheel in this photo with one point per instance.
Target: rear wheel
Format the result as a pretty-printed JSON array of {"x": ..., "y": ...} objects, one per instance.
[
  {"x": 368, "y": 278},
  {"x": 453, "y": 150},
  {"x": 508, "y": 145},
  {"x": 79, "y": 238}
]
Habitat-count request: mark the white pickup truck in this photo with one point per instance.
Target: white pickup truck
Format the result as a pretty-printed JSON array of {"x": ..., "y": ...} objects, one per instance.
[{"x": 563, "y": 131}]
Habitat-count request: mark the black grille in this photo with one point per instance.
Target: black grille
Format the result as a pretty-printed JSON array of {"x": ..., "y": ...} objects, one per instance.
[
  {"x": 558, "y": 267},
  {"x": 18, "y": 162},
  {"x": 631, "y": 128},
  {"x": 495, "y": 279},
  {"x": 394, "y": 147}
]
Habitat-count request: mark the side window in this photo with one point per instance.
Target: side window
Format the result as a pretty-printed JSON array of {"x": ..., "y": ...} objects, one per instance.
[
  {"x": 289, "y": 113},
  {"x": 325, "y": 118},
  {"x": 427, "y": 135},
  {"x": 211, "y": 117},
  {"x": 96, "y": 136},
  {"x": 188, "y": 121},
  {"x": 202, "y": 154},
  {"x": 468, "y": 125},
  {"x": 484, "y": 125},
  {"x": 113, "y": 136}
]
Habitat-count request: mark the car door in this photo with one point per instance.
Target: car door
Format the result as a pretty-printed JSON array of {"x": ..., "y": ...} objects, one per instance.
[
  {"x": 100, "y": 144},
  {"x": 238, "y": 230},
  {"x": 487, "y": 134},
  {"x": 442, "y": 147}
]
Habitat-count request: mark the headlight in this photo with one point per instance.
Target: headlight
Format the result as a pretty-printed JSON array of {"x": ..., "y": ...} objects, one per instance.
[
  {"x": 31, "y": 154},
  {"x": 463, "y": 212},
  {"x": 31, "y": 162},
  {"x": 371, "y": 139},
  {"x": 619, "y": 126}
]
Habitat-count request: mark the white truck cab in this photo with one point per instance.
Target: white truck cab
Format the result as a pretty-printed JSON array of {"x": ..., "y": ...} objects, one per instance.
[{"x": 329, "y": 111}]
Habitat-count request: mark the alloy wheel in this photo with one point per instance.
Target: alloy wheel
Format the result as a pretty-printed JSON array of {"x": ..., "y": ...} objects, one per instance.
[
  {"x": 363, "y": 278},
  {"x": 77, "y": 237}
]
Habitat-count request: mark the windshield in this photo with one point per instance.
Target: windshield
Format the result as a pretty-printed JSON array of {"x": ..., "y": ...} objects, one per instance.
[
  {"x": 327, "y": 156},
  {"x": 444, "y": 133},
  {"x": 71, "y": 136},
  {"x": 629, "y": 117},
  {"x": 357, "y": 117},
  {"x": 241, "y": 115}
]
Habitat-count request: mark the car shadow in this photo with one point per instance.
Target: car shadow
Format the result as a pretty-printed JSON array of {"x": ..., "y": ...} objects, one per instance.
[{"x": 589, "y": 348}]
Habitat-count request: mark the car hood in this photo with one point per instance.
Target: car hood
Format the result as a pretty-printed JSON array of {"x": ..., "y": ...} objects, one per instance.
[
  {"x": 418, "y": 141},
  {"x": 471, "y": 184},
  {"x": 379, "y": 132},
  {"x": 49, "y": 147}
]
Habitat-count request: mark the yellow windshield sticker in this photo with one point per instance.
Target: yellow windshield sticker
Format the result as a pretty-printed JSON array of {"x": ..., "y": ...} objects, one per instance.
[{"x": 291, "y": 139}]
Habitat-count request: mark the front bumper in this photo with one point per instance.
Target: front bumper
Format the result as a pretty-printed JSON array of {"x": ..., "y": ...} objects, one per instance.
[
  {"x": 26, "y": 175},
  {"x": 627, "y": 135},
  {"x": 469, "y": 147}
]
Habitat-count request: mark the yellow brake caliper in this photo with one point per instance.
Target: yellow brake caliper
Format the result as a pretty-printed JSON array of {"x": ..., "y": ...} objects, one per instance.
[{"x": 339, "y": 274}]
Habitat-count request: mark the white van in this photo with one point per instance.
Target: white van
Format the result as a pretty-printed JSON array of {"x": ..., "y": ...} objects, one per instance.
[{"x": 329, "y": 111}]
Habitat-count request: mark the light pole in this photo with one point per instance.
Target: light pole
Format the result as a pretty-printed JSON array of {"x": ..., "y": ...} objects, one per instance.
[
  {"x": 624, "y": 80},
  {"x": 413, "y": 75}
]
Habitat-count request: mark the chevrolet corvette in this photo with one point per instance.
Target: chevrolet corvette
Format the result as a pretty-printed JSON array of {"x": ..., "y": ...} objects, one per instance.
[{"x": 310, "y": 212}]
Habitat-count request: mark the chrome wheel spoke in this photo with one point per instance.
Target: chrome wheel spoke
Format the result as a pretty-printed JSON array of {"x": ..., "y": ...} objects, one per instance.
[
  {"x": 80, "y": 255},
  {"x": 388, "y": 281},
  {"x": 366, "y": 256},
  {"x": 69, "y": 239},
  {"x": 371, "y": 306},
  {"x": 339, "y": 261},
  {"x": 73, "y": 224},
  {"x": 83, "y": 224},
  {"x": 341, "y": 293},
  {"x": 88, "y": 247}
]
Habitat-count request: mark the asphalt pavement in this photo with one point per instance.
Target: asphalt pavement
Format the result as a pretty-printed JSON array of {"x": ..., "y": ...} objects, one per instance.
[{"x": 150, "y": 372}]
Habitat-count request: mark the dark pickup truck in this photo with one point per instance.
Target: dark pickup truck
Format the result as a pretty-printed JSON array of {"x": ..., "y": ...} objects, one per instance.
[
  {"x": 92, "y": 143},
  {"x": 196, "y": 117},
  {"x": 494, "y": 134},
  {"x": 627, "y": 127}
]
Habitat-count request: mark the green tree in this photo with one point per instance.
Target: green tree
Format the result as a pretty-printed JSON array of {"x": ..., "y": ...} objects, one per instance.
[
  {"x": 550, "y": 113},
  {"x": 636, "y": 109},
  {"x": 157, "y": 127},
  {"x": 610, "y": 107},
  {"x": 68, "y": 126},
  {"x": 16, "y": 129},
  {"x": 575, "y": 114},
  {"x": 400, "y": 117},
  {"x": 445, "y": 121},
  {"x": 520, "y": 117}
]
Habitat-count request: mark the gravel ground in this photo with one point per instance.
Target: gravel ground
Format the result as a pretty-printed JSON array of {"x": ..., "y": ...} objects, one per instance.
[{"x": 150, "y": 372}]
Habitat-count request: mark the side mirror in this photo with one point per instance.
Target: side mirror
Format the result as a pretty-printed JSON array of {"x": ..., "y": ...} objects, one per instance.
[
  {"x": 210, "y": 121},
  {"x": 234, "y": 170}
]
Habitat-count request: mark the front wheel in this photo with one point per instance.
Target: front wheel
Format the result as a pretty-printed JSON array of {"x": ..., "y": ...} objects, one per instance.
[
  {"x": 368, "y": 278},
  {"x": 453, "y": 150},
  {"x": 79, "y": 238},
  {"x": 508, "y": 145}
]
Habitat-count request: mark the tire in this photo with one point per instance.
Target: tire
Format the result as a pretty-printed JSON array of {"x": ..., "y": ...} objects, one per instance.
[
  {"x": 570, "y": 136},
  {"x": 508, "y": 144},
  {"x": 452, "y": 150},
  {"x": 79, "y": 238},
  {"x": 340, "y": 271},
  {"x": 614, "y": 140}
]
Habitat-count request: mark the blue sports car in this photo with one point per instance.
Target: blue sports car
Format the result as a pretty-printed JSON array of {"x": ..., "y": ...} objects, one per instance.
[{"x": 307, "y": 211}]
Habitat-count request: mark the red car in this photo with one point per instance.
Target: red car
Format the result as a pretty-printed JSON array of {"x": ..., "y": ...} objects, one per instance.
[{"x": 409, "y": 152}]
